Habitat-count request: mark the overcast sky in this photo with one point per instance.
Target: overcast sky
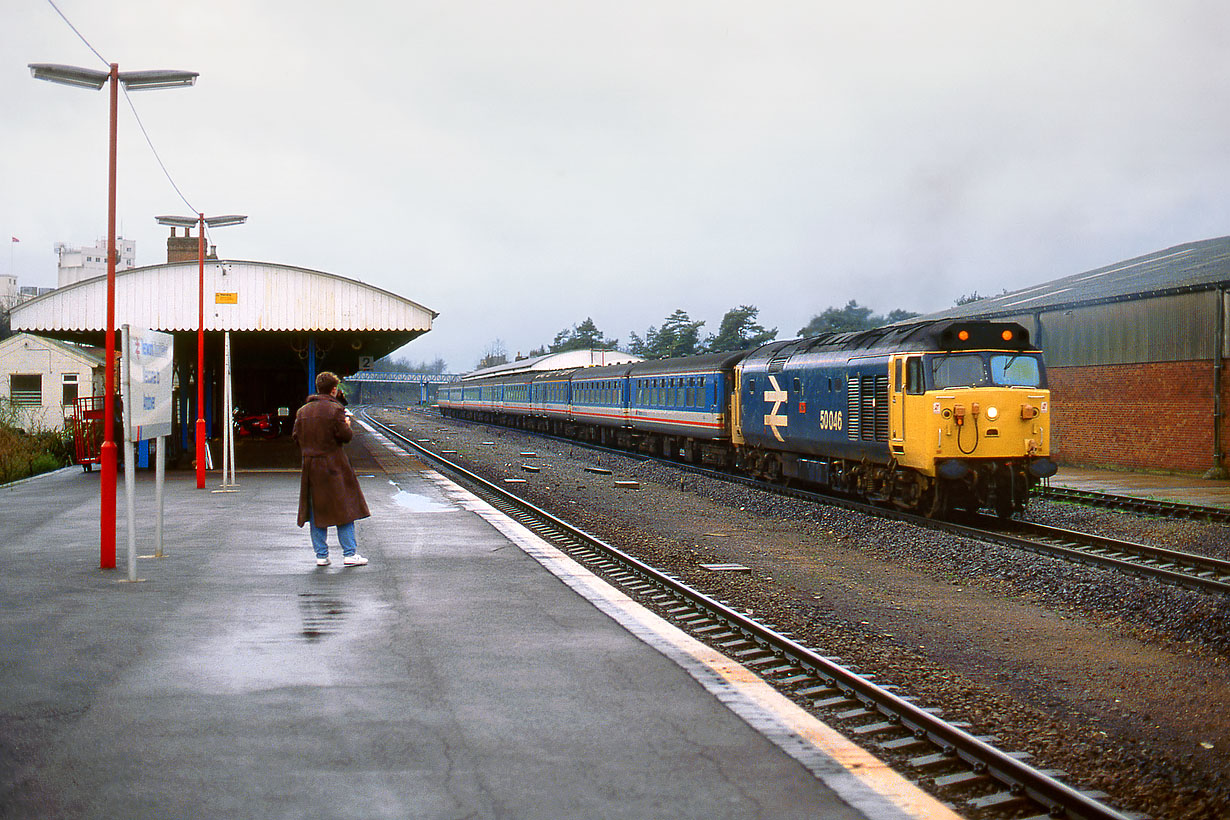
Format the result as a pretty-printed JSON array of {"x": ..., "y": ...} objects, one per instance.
[{"x": 520, "y": 166}]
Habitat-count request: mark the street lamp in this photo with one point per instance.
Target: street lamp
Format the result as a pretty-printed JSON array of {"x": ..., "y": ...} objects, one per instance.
[
  {"x": 214, "y": 222},
  {"x": 132, "y": 80}
]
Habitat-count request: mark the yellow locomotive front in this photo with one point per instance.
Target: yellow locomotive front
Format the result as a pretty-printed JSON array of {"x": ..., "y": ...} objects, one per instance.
[{"x": 972, "y": 420}]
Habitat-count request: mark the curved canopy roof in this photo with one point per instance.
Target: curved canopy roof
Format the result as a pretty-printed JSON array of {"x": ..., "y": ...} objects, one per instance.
[{"x": 239, "y": 296}]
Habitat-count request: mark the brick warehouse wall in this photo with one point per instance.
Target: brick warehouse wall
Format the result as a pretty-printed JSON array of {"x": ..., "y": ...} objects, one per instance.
[{"x": 1155, "y": 416}]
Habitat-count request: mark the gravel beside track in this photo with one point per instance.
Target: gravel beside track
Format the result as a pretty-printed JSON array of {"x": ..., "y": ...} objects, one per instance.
[{"x": 1122, "y": 682}]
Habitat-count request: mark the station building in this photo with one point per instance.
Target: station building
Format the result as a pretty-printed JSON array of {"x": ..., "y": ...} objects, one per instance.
[
  {"x": 285, "y": 324},
  {"x": 1134, "y": 355},
  {"x": 42, "y": 379}
]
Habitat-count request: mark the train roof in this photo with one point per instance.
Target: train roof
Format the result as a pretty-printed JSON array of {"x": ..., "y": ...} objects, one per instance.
[
  {"x": 940, "y": 334},
  {"x": 555, "y": 361},
  {"x": 705, "y": 362}
]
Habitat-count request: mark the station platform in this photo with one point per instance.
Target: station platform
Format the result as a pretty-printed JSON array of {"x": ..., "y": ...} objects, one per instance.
[
  {"x": 1182, "y": 489},
  {"x": 468, "y": 671}
]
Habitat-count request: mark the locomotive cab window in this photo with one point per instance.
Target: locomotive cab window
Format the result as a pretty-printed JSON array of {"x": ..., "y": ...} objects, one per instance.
[
  {"x": 981, "y": 369},
  {"x": 963, "y": 370},
  {"x": 1016, "y": 370},
  {"x": 914, "y": 376}
]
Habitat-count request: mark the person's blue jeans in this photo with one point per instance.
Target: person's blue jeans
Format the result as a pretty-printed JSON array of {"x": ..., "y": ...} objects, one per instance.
[{"x": 345, "y": 535}]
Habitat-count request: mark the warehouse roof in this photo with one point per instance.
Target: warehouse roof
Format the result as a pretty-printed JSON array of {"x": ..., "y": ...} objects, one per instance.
[
  {"x": 1196, "y": 266},
  {"x": 239, "y": 296}
]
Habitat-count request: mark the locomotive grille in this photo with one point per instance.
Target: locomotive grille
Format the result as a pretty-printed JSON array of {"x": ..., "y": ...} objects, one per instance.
[
  {"x": 867, "y": 431},
  {"x": 867, "y": 408},
  {"x": 881, "y": 413},
  {"x": 852, "y": 409}
]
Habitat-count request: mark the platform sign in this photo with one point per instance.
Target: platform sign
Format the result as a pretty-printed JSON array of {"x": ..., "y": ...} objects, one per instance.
[{"x": 148, "y": 391}]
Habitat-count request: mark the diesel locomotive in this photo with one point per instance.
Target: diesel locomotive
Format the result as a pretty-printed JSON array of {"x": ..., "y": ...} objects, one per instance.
[{"x": 930, "y": 417}]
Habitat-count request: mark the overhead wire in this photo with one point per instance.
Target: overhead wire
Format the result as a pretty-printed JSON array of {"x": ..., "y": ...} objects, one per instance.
[
  {"x": 79, "y": 34},
  {"x": 154, "y": 151},
  {"x": 135, "y": 115}
]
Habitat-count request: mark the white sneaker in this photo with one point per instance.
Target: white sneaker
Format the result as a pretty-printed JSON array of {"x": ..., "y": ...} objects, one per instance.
[
  {"x": 355, "y": 560},
  {"x": 322, "y": 562}
]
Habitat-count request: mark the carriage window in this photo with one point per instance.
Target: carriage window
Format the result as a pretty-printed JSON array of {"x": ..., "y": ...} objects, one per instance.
[
  {"x": 798, "y": 388},
  {"x": 751, "y": 386},
  {"x": 897, "y": 381}
]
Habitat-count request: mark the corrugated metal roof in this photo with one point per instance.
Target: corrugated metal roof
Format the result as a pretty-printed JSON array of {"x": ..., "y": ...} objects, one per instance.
[
  {"x": 239, "y": 296},
  {"x": 1196, "y": 266}
]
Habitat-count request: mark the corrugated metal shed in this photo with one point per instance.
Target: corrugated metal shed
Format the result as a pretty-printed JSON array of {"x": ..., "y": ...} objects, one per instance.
[
  {"x": 1196, "y": 266},
  {"x": 239, "y": 296},
  {"x": 1161, "y": 307}
]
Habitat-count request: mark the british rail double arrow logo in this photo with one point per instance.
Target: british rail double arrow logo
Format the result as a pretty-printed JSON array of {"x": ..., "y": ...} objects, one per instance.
[{"x": 774, "y": 421}]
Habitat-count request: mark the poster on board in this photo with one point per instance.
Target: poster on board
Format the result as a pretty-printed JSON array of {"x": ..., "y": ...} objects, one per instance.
[{"x": 148, "y": 392}]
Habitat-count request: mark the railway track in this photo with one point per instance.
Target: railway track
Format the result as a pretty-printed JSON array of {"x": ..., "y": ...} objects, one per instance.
[
  {"x": 964, "y": 769},
  {"x": 1148, "y": 506},
  {"x": 1173, "y": 567},
  {"x": 1182, "y": 569}
]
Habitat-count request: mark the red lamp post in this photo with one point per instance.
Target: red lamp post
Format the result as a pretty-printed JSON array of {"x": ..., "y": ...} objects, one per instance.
[
  {"x": 214, "y": 222},
  {"x": 132, "y": 80}
]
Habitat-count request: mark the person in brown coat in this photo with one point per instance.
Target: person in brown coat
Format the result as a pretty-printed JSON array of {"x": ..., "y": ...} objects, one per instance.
[{"x": 329, "y": 493}]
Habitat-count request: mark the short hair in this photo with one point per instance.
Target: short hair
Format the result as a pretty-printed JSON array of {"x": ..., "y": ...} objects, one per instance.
[{"x": 326, "y": 381}]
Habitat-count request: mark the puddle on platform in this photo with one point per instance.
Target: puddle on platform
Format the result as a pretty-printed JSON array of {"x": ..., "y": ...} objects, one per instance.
[{"x": 419, "y": 503}]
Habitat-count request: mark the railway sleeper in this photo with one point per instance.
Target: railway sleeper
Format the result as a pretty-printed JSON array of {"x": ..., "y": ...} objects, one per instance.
[
  {"x": 961, "y": 780},
  {"x": 906, "y": 742},
  {"x": 876, "y": 728},
  {"x": 1000, "y": 801}
]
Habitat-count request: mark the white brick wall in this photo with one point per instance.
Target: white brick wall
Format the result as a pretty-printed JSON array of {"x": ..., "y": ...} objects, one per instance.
[{"x": 28, "y": 355}]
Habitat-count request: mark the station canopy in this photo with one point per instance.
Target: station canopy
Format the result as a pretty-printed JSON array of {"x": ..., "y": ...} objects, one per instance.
[{"x": 275, "y": 310}]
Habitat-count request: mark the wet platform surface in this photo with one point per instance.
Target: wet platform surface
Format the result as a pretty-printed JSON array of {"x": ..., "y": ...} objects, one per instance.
[
  {"x": 453, "y": 677},
  {"x": 1182, "y": 489}
]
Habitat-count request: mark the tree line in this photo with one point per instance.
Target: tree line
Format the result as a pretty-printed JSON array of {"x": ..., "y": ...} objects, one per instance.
[{"x": 681, "y": 335}]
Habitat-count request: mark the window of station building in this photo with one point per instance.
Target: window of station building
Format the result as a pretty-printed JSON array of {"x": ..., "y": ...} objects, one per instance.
[
  {"x": 68, "y": 387},
  {"x": 26, "y": 390}
]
